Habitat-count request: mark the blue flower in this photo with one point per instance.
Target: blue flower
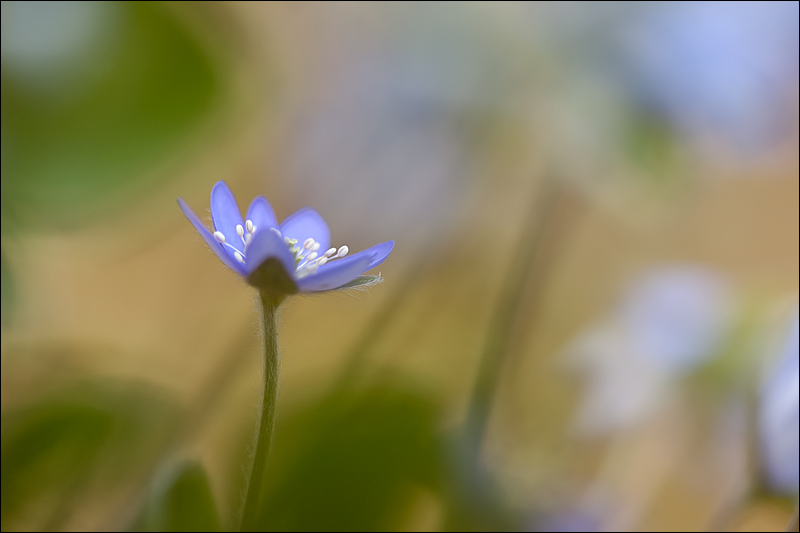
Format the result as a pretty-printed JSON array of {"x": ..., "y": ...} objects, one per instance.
[
  {"x": 281, "y": 258},
  {"x": 779, "y": 419}
]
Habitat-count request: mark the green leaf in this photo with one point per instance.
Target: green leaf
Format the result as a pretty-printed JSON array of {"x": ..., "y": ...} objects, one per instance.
[
  {"x": 131, "y": 82},
  {"x": 350, "y": 461},
  {"x": 652, "y": 147},
  {"x": 87, "y": 434},
  {"x": 8, "y": 295},
  {"x": 181, "y": 500}
]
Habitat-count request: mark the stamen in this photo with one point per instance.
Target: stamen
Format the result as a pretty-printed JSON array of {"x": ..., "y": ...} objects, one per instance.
[
  {"x": 220, "y": 237},
  {"x": 238, "y": 256},
  {"x": 307, "y": 269},
  {"x": 308, "y": 261},
  {"x": 239, "y": 230},
  {"x": 248, "y": 239},
  {"x": 236, "y": 250},
  {"x": 249, "y": 226}
]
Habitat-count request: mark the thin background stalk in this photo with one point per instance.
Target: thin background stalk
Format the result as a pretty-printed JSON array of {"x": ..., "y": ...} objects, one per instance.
[
  {"x": 794, "y": 524},
  {"x": 528, "y": 268},
  {"x": 550, "y": 214}
]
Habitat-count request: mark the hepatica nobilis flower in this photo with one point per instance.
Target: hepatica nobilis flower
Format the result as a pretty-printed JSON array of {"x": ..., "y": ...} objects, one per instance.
[
  {"x": 294, "y": 256},
  {"x": 277, "y": 259}
]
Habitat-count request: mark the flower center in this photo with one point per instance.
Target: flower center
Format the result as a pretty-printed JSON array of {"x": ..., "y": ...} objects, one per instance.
[{"x": 306, "y": 257}]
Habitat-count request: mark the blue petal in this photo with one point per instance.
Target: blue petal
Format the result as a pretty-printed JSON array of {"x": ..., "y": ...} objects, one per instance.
[
  {"x": 226, "y": 216},
  {"x": 341, "y": 271},
  {"x": 307, "y": 223},
  {"x": 338, "y": 273},
  {"x": 266, "y": 244},
  {"x": 381, "y": 251},
  {"x": 261, "y": 213},
  {"x": 216, "y": 247}
]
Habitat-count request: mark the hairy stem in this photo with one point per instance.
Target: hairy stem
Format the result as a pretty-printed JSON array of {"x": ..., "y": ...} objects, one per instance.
[{"x": 250, "y": 513}]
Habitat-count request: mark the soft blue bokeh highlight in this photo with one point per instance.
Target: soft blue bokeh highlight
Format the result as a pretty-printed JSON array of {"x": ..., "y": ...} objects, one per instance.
[
  {"x": 670, "y": 321},
  {"x": 717, "y": 68},
  {"x": 780, "y": 418}
]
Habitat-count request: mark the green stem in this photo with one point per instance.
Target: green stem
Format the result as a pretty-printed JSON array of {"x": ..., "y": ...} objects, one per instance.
[
  {"x": 250, "y": 514},
  {"x": 529, "y": 264},
  {"x": 549, "y": 215}
]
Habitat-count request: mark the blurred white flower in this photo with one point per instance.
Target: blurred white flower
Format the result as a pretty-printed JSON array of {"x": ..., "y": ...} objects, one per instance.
[
  {"x": 55, "y": 46},
  {"x": 669, "y": 321},
  {"x": 568, "y": 520},
  {"x": 779, "y": 418},
  {"x": 677, "y": 316}
]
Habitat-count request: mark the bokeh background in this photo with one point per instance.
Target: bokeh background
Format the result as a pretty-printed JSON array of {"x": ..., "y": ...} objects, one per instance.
[{"x": 582, "y": 324}]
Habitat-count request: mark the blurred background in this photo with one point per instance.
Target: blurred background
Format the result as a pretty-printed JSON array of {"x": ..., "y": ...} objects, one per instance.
[{"x": 588, "y": 321}]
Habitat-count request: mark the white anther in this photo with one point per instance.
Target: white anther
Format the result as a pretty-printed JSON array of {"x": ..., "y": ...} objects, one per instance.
[
  {"x": 342, "y": 251},
  {"x": 249, "y": 226},
  {"x": 322, "y": 260},
  {"x": 238, "y": 256},
  {"x": 308, "y": 243},
  {"x": 315, "y": 247},
  {"x": 254, "y": 229},
  {"x": 311, "y": 256},
  {"x": 219, "y": 236},
  {"x": 330, "y": 252},
  {"x": 239, "y": 230}
]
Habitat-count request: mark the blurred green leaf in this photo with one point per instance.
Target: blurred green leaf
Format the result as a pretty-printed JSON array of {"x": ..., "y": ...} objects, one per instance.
[
  {"x": 8, "y": 294},
  {"x": 181, "y": 500},
  {"x": 52, "y": 448},
  {"x": 350, "y": 461},
  {"x": 651, "y": 145},
  {"x": 79, "y": 128}
]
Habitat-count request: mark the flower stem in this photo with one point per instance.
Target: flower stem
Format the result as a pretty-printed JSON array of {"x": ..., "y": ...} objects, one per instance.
[{"x": 250, "y": 513}]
